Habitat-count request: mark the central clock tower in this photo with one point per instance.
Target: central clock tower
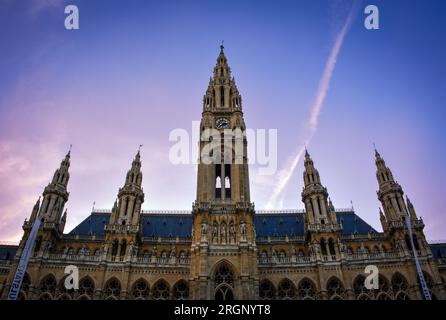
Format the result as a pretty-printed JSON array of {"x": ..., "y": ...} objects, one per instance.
[{"x": 223, "y": 252}]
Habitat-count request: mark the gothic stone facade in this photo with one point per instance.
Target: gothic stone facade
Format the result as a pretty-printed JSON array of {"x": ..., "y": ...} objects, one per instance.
[{"x": 223, "y": 248}]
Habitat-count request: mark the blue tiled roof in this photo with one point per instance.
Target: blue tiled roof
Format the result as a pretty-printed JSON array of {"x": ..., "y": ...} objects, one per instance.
[
  {"x": 7, "y": 252},
  {"x": 438, "y": 250},
  {"x": 277, "y": 225},
  {"x": 353, "y": 224},
  {"x": 92, "y": 225},
  {"x": 180, "y": 225},
  {"x": 167, "y": 225}
]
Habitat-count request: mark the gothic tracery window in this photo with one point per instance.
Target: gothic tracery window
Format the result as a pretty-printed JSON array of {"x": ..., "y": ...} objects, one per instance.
[
  {"x": 306, "y": 290},
  {"x": 140, "y": 290},
  {"x": 266, "y": 290},
  {"x": 224, "y": 275},
  {"x": 86, "y": 287},
  {"x": 181, "y": 290},
  {"x": 286, "y": 290},
  {"x": 160, "y": 290},
  {"x": 399, "y": 283},
  {"x": 48, "y": 287},
  {"x": 358, "y": 287},
  {"x": 335, "y": 289},
  {"x": 112, "y": 288}
]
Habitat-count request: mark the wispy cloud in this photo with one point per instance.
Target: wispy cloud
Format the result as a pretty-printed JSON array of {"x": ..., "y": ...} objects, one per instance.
[{"x": 287, "y": 171}]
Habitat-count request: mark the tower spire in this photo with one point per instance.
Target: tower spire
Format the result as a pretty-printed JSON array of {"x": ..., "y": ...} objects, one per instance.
[{"x": 222, "y": 93}]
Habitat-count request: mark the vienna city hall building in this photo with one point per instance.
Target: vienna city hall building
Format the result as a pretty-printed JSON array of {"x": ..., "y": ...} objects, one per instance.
[{"x": 223, "y": 248}]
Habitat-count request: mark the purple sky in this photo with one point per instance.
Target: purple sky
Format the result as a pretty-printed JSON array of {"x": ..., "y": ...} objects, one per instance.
[{"x": 136, "y": 70}]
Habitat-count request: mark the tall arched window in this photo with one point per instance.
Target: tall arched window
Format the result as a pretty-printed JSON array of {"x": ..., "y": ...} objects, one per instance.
[
  {"x": 224, "y": 283},
  {"x": 323, "y": 247},
  {"x": 286, "y": 290},
  {"x": 180, "y": 290},
  {"x": 123, "y": 247},
  {"x": 222, "y": 94},
  {"x": 115, "y": 247},
  {"x": 218, "y": 182},
  {"x": 331, "y": 247}
]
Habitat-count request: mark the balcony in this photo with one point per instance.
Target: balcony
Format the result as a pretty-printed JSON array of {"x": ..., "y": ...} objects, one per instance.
[
  {"x": 72, "y": 257},
  {"x": 317, "y": 227},
  {"x": 373, "y": 256},
  {"x": 284, "y": 261},
  {"x": 116, "y": 228}
]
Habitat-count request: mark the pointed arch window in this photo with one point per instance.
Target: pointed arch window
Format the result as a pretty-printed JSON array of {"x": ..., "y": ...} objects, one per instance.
[
  {"x": 306, "y": 290},
  {"x": 286, "y": 290},
  {"x": 222, "y": 94},
  {"x": 140, "y": 290},
  {"x": 112, "y": 289},
  {"x": 180, "y": 290},
  {"x": 86, "y": 287},
  {"x": 266, "y": 290},
  {"x": 160, "y": 290}
]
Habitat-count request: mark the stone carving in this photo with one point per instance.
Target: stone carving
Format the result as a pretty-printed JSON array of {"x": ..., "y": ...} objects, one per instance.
[
  {"x": 243, "y": 229},
  {"x": 232, "y": 231}
]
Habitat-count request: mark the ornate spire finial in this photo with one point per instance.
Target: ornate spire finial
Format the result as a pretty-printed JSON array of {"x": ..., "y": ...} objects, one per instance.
[
  {"x": 222, "y": 46},
  {"x": 376, "y": 151}
]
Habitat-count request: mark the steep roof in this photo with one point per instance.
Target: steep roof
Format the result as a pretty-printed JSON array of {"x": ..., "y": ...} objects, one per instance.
[
  {"x": 7, "y": 252},
  {"x": 179, "y": 224}
]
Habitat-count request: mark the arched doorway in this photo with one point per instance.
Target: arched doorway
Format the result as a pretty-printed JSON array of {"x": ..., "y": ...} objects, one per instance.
[{"x": 223, "y": 283}]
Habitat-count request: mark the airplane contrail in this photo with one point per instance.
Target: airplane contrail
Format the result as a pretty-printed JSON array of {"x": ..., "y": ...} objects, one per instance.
[{"x": 286, "y": 173}]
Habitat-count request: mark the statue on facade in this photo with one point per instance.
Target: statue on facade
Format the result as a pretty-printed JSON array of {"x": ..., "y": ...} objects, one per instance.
[
  {"x": 223, "y": 232},
  {"x": 204, "y": 230},
  {"x": 214, "y": 232},
  {"x": 232, "y": 231},
  {"x": 243, "y": 229}
]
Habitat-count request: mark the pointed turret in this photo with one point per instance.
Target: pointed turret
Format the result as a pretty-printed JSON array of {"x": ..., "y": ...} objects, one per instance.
[
  {"x": 130, "y": 196},
  {"x": 383, "y": 173},
  {"x": 35, "y": 210},
  {"x": 55, "y": 194},
  {"x": 411, "y": 209},
  {"x": 222, "y": 93},
  {"x": 390, "y": 192},
  {"x": 311, "y": 175},
  {"x": 315, "y": 195}
]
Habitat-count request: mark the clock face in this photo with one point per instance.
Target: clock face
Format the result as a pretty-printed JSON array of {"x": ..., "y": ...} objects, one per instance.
[{"x": 222, "y": 123}]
